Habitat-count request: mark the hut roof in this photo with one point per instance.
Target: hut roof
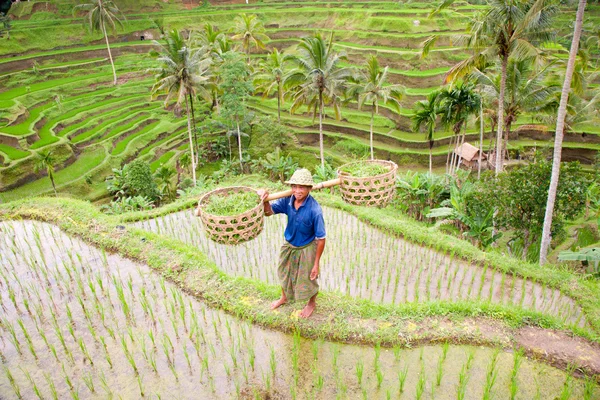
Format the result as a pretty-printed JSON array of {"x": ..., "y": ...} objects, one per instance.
[{"x": 469, "y": 152}]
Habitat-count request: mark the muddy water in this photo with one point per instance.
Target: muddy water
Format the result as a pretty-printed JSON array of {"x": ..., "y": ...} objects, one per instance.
[
  {"x": 365, "y": 262},
  {"x": 78, "y": 323}
]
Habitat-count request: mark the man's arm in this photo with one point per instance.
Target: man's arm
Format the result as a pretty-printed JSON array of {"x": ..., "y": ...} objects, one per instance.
[{"x": 314, "y": 273}]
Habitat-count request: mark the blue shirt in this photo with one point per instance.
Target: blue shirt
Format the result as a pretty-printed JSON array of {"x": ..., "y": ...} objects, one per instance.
[{"x": 304, "y": 224}]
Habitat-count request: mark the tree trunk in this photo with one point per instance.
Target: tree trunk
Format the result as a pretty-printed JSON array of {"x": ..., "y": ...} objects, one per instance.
[
  {"x": 480, "y": 140},
  {"x": 112, "y": 64},
  {"x": 559, "y": 134},
  {"x": 194, "y": 127},
  {"x": 526, "y": 244},
  {"x": 448, "y": 155},
  {"x": 51, "y": 176},
  {"x": 462, "y": 142},
  {"x": 371, "y": 131},
  {"x": 278, "y": 103},
  {"x": 506, "y": 134},
  {"x": 430, "y": 158},
  {"x": 500, "y": 131},
  {"x": 321, "y": 149},
  {"x": 239, "y": 135},
  {"x": 189, "y": 123}
]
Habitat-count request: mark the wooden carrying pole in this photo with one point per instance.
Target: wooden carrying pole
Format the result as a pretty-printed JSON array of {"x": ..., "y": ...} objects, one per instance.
[{"x": 287, "y": 193}]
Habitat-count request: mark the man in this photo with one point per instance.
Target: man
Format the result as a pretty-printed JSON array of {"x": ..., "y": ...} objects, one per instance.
[{"x": 305, "y": 240}]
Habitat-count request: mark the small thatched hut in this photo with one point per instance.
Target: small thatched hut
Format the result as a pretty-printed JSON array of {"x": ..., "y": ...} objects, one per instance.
[{"x": 469, "y": 155}]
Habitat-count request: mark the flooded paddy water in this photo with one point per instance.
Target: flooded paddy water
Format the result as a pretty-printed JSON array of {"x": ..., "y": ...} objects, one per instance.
[
  {"x": 79, "y": 323},
  {"x": 365, "y": 262}
]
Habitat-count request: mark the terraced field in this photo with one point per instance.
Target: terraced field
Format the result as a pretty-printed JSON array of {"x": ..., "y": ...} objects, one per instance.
[
  {"x": 78, "y": 322},
  {"x": 60, "y": 99}
]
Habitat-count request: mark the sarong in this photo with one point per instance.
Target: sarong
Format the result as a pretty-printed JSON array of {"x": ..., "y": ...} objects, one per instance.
[{"x": 295, "y": 264}]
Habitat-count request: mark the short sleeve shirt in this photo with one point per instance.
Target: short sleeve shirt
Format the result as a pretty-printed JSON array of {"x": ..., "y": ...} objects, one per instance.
[{"x": 304, "y": 224}]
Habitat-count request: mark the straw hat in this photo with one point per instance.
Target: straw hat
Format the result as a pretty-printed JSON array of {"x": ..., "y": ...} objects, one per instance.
[{"x": 301, "y": 177}]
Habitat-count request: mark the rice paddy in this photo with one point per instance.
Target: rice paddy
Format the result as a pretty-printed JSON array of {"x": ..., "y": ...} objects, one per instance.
[
  {"x": 364, "y": 262},
  {"x": 78, "y": 322}
]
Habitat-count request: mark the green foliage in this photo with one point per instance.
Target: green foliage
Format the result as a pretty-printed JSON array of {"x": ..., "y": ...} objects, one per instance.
[
  {"x": 324, "y": 173},
  {"x": 352, "y": 148},
  {"x": 231, "y": 203},
  {"x": 127, "y": 204},
  {"x": 417, "y": 193},
  {"x": 139, "y": 180},
  {"x": 268, "y": 134},
  {"x": 520, "y": 197},
  {"x": 362, "y": 169},
  {"x": 277, "y": 165},
  {"x": 5, "y": 25},
  {"x": 235, "y": 86},
  {"x": 166, "y": 187}
]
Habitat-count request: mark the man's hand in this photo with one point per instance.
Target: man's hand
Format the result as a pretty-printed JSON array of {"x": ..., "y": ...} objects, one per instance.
[
  {"x": 314, "y": 273},
  {"x": 263, "y": 193}
]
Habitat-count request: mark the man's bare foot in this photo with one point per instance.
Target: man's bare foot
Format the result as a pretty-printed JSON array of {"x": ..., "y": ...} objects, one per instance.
[
  {"x": 308, "y": 309},
  {"x": 278, "y": 303}
]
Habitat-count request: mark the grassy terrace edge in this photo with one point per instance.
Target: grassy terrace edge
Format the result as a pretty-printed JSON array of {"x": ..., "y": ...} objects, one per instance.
[{"x": 342, "y": 318}]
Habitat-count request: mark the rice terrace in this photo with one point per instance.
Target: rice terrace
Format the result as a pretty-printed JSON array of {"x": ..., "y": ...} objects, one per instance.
[{"x": 437, "y": 164}]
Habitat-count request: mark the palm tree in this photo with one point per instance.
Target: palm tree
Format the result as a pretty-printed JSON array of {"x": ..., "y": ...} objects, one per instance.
[
  {"x": 374, "y": 89},
  {"x": 45, "y": 161},
  {"x": 559, "y": 134},
  {"x": 273, "y": 77},
  {"x": 426, "y": 113},
  {"x": 456, "y": 105},
  {"x": 164, "y": 175},
  {"x": 527, "y": 90},
  {"x": 99, "y": 14},
  {"x": 182, "y": 76},
  {"x": 318, "y": 80},
  {"x": 249, "y": 29},
  {"x": 508, "y": 28}
]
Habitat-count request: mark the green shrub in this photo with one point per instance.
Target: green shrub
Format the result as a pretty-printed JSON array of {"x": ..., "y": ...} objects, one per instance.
[{"x": 139, "y": 180}]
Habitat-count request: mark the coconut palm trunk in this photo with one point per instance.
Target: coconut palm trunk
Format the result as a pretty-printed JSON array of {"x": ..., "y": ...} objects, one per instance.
[
  {"x": 371, "y": 132},
  {"x": 51, "y": 176},
  {"x": 239, "y": 136},
  {"x": 430, "y": 157},
  {"x": 112, "y": 64},
  {"x": 559, "y": 134},
  {"x": 194, "y": 126},
  {"x": 189, "y": 123},
  {"x": 321, "y": 149},
  {"x": 448, "y": 155},
  {"x": 279, "y": 102},
  {"x": 480, "y": 139},
  {"x": 500, "y": 127}
]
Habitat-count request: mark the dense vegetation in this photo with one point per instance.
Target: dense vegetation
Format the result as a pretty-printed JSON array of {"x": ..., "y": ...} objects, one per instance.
[{"x": 150, "y": 104}]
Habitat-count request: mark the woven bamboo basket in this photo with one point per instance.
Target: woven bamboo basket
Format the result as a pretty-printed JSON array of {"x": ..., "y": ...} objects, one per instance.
[
  {"x": 231, "y": 229},
  {"x": 374, "y": 191}
]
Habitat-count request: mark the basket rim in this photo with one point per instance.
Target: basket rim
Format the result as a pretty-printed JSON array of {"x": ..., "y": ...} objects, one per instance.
[
  {"x": 391, "y": 164},
  {"x": 206, "y": 196}
]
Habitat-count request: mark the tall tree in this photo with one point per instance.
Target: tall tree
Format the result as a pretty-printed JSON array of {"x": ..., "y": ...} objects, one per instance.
[
  {"x": 374, "y": 88},
  {"x": 559, "y": 134},
  {"x": 318, "y": 80},
  {"x": 236, "y": 88},
  {"x": 425, "y": 115},
  {"x": 508, "y": 28},
  {"x": 527, "y": 90},
  {"x": 99, "y": 14},
  {"x": 457, "y": 103},
  {"x": 182, "y": 74},
  {"x": 44, "y": 160},
  {"x": 273, "y": 76},
  {"x": 250, "y": 30}
]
